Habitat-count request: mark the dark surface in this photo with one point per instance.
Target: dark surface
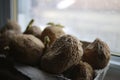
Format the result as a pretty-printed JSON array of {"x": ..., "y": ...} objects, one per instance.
[{"x": 8, "y": 72}]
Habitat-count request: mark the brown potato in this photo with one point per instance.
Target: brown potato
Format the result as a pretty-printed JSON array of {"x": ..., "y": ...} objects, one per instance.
[
  {"x": 53, "y": 32},
  {"x": 63, "y": 53},
  {"x": 5, "y": 40},
  {"x": 81, "y": 71},
  {"x": 26, "y": 48},
  {"x": 11, "y": 25},
  {"x": 33, "y": 30},
  {"x": 85, "y": 44},
  {"x": 97, "y": 54}
]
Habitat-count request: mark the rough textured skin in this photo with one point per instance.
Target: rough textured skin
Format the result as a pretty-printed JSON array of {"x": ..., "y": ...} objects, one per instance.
[
  {"x": 26, "y": 48},
  {"x": 53, "y": 33},
  {"x": 97, "y": 54},
  {"x": 11, "y": 25},
  {"x": 5, "y": 40},
  {"x": 81, "y": 71},
  {"x": 63, "y": 53},
  {"x": 34, "y": 30},
  {"x": 84, "y": 44}
]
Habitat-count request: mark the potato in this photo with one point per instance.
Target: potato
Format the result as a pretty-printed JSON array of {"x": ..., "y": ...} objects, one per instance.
[
  {"x": 63, "y": 53},
  {"x": 80, "y": 71},
  {"x": 11, "y": 25},
  {"x": 53, "y": 32},
  {"x": 26, "y": 49},
  {"x": 97, "y": 54}
]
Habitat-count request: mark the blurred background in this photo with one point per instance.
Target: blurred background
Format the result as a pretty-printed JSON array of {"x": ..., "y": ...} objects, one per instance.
[{"x": 86, "y": 19}]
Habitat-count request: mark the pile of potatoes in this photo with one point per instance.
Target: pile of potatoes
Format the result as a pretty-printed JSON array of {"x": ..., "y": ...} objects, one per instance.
[{"x": 53, "y": 51}]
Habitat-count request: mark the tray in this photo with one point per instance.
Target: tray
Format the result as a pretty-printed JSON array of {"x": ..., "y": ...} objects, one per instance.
[{"x": 37, "y": 74}]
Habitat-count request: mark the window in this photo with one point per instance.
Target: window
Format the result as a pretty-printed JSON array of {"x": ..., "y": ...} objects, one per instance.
[{"x": 86, "y": 19}]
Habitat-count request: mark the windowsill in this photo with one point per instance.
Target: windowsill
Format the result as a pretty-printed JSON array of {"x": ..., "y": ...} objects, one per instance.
[
  {"x": 114, "y": 69},
  {"x": 115, "y": 54},
  {"x": 115, "y": 61}
]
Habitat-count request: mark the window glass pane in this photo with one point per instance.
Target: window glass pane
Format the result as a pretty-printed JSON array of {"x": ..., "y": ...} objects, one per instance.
[{"x": 86, "y": 19}]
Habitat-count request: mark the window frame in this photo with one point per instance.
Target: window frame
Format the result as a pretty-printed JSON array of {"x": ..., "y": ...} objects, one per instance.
[
  {"x": 4, "y": 11},
  {"x": 14, "y": 9}
]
